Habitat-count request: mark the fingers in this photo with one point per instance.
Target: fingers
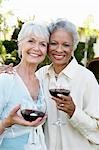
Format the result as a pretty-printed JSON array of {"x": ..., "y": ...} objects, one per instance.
[
  {"x": 10, "y": 65},
  {"x": 64, "y": 97},
  {"x": 20, "y": 120},
  {"x": 61, "y": 107},
  {"x": 35, "y": 123},
  {"x": 65, "y": 103},
  {"x": 39, "y": 121},
  {"x": 14, "y": 111},
  {"x": 6, "y": 68},
  {"x": 14, "y": 118},
  {"x": 9, "y": 69}
]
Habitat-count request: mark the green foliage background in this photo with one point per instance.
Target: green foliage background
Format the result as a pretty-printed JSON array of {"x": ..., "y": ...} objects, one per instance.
[{"x": 9, "y": 49}]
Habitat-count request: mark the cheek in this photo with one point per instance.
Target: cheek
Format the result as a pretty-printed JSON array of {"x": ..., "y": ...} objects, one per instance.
[
  {"x": 69, "y": 52},
  {"x": 49, "y": 51},
  {"x": 23, "y": 48},
  {"x": 44, "y": 51}
]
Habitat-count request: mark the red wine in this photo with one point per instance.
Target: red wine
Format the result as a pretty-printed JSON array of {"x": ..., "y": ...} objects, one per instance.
[
  {"x": 31, "y": 115},
  {"x": 54, "y": 92}
]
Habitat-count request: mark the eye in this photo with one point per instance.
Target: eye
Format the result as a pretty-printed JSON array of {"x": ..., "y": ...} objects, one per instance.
[
  {"x": 66, "y": 45},
  {"x": 52, "y": 43},
  {"x": 31, "y": 41},
  {"x": 43, "y": 44}
]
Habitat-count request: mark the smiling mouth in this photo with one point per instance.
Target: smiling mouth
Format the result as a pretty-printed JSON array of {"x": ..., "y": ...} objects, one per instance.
[
  {"x": 59, "y": 57},
  {"x": 34, "y": 55}
]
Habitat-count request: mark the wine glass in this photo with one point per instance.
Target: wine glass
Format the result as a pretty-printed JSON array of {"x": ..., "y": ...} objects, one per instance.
[
  {"x": 33, "y": 109},
  {"x": 54, "y": 91}
]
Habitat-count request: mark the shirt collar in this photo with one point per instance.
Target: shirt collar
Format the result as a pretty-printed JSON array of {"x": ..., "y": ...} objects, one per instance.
[{"x": 69, "y": 70}]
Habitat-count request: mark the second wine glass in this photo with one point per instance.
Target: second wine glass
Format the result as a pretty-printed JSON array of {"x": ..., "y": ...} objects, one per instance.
[{"x": 54, "y": 92}]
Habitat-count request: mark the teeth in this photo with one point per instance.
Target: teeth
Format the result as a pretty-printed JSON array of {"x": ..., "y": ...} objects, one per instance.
[
  {"x": 58, "y": 56},
  {"x": 34, "y": 55}
]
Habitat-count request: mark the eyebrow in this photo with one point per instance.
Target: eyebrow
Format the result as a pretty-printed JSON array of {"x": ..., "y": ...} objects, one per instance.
[
  {"x": 36, "y": 39},
  {"x": 57, "y": 42}
]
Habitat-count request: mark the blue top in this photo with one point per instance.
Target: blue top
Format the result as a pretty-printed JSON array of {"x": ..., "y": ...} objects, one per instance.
[{"x": 13, "y": 92}]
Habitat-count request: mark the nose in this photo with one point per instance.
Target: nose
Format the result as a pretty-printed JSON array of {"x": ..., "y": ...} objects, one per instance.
[
  {"x": 36, "y": 47},
  {"x": 59, "y": 48}
]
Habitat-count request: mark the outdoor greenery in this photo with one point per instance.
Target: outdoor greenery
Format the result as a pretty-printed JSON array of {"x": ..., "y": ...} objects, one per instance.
[
  {"x": 9, "y": 48},
  {"x": 84, "y": 52}
]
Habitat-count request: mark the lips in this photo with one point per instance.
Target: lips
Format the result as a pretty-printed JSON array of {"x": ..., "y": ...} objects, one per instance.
[
  {"x": 58, "y": 57},
  {"x": 34, "y": 55}
]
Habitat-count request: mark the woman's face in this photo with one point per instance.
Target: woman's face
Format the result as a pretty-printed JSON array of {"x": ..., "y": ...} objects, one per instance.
[
  {"x": 60, "y": 47},
  {"x": 33, "y": 49}
]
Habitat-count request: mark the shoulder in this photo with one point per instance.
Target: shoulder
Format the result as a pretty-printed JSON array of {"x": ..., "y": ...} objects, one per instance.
[
  {"x": 85, "y": 73},
  {"x": 44, "y": 68},
  {"x": 5, "y": 78},
  {"x": 42, "y": 71}
]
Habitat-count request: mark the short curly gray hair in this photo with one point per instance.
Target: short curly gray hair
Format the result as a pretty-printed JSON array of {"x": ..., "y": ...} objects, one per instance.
[{"x": 66, "y": 25}]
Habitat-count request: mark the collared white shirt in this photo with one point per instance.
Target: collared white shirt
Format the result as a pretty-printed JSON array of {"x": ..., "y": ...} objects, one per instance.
[{"x": 81, "y": 131}]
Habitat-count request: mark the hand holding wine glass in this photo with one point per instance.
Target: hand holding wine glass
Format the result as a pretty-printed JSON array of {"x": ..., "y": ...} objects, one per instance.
[
  {"x": 56, "y": 93},
  {"x": 35, "y": 110},
  {"x": 65, "y": 103},
  {"x": 14, "y": 117},
  {"x": 63, "y": 98}
]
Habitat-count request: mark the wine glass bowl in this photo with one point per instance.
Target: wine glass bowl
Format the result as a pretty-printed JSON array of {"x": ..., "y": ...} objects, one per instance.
[
  {"x": 55, "y": 92},
  {"x": 31, "y": 115},
  {"x": 34, "y": 110}
]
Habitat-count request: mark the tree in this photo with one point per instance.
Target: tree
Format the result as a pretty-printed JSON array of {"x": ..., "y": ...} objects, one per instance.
[
  {"x": 89, "y": 52},
  {"x": 85, "y": 51}
]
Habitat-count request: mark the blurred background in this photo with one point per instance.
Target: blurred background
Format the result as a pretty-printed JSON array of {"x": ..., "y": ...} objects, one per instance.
[{"x": 84, "y": 14}]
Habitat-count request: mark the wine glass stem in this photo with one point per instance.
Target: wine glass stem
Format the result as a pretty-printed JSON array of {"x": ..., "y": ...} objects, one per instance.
[
  {"x": 59, "y": 122},
  {"x": 58, "y": 145},
  {"x": 58, "y": 118}
]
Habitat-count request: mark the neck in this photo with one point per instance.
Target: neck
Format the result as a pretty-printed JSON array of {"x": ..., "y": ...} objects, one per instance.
[
  {"x": 58, "y": 68},
  {"x": 26, "y": 69}
]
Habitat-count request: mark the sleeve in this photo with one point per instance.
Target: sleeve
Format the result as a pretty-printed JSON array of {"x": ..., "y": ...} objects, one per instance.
[
  {"x": 86, "y": 120},
  {"x": 40, "y": 74},
  {"x": 2, "y": 94}
]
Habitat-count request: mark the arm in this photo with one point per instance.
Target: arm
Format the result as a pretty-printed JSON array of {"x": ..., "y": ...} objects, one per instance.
[
  {"x": 86, "y": 120},
  {"x": 12, "y": 117},
  {"x": 2, "y": 127},
  {"x": 86, "y": 125}
]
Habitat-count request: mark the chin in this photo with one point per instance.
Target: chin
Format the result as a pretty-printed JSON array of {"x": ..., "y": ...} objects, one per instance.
[{"x": 58, "y": 61}]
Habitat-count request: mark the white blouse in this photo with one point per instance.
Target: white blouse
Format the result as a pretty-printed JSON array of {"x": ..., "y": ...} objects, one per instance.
[{"x": 81, "y": 131}]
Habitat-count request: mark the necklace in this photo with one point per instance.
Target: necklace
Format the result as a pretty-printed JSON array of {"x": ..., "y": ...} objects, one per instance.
[{"x": 56, "y": 76}]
